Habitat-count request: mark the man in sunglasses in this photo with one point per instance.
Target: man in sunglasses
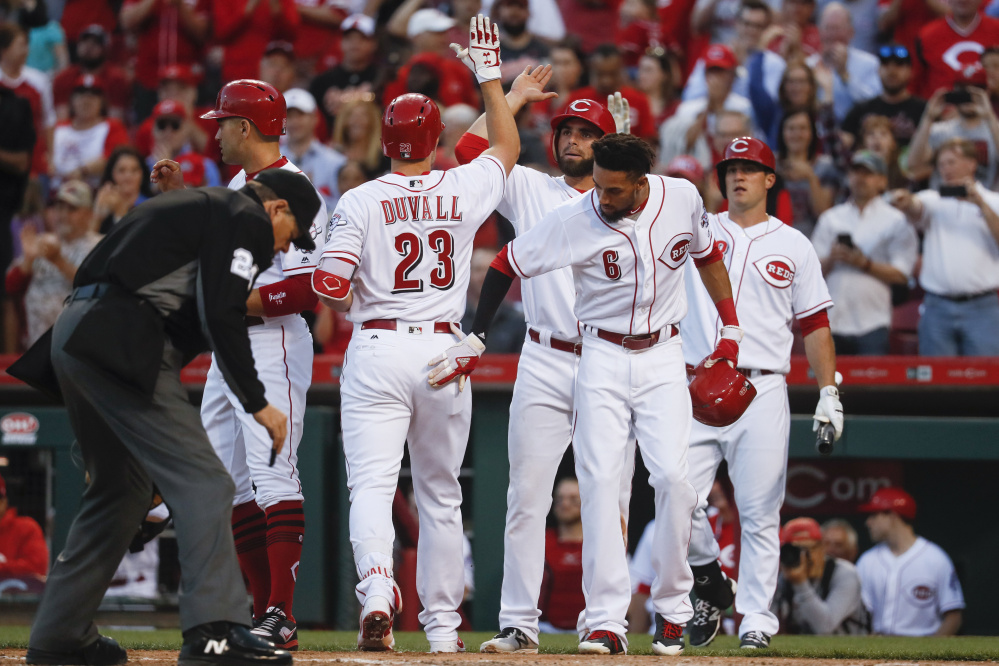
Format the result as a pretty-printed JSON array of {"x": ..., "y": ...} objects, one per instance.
[{"x": 895, "y": 101}]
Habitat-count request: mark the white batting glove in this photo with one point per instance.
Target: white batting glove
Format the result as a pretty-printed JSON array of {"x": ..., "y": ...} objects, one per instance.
[
  {"x": 483, "y": 53},
  {"x": 459, "y": 360},
  {"x": 829, "y": 410},
  {"x": 618, "y": 107}
]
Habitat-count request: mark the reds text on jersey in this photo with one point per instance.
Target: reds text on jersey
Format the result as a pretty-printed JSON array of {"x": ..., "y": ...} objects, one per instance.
[
  {"x": 412, "y": 239},
  {"x": 776, "y": 278},
  {"x": 294, "y": 261},
  {"x": 631, "y": 271}
]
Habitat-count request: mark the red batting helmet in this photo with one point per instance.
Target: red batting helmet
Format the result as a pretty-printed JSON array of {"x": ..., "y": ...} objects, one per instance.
[
  {"x": 585, "y": 109},
  {"x": 891, "y": 499},
  {"x": 410, "y": 127},
  {"x": 258, "y": 102},
  {"x": 745, "y": 149},
  {"x": 720, "y": 394}
]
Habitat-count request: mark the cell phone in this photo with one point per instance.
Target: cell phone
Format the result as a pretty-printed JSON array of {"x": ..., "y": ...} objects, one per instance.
[
  {"x": 953, "y": 191},
  {"x": 845, "y": 239},
  {"x": 957, "y": 97}
]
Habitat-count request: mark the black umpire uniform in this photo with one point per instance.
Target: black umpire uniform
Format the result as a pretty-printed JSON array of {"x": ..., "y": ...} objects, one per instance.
[{"x": 170, "y": 281}]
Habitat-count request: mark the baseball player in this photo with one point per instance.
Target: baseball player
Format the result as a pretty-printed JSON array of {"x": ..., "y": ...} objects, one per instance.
[
  {"x": 269, "y": 524},
  {"x": 541, "y": 410},
  {"x": 775, "y": 277},
  {"x": 397, "y": 260},
  {"x": 626, "y": 242},
  {"x": 907, "y": 583}
]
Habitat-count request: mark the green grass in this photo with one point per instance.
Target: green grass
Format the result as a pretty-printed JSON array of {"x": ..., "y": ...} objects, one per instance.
[{"x": 962, "y": 648}]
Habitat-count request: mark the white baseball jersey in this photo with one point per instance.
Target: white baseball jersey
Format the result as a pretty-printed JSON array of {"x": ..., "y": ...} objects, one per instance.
[
  {"x": 294, "y": 261},
  {"x": 908, "y": 594},
  {"x": 960, "y": 254},
  {"x": 882, "y": 233},
  {"x": 630, "y": 270},
  {"x": 548, "y": 299},
  {"x": 422, "y": 229},
  {"x": 776, "y": 278}
]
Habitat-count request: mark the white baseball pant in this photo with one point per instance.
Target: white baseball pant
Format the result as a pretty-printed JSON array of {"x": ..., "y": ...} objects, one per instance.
[
  {"x": 282, "y": 355},
  {"x": 645, "y": 390},
  {"x": 540, "y": 431},
  {"x": 385, "y": 401},
  {"x": 755, "y": 447}
]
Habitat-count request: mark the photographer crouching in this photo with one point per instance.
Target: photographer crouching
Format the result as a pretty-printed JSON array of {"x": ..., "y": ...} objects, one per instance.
[{"x": 816, "y": 594}]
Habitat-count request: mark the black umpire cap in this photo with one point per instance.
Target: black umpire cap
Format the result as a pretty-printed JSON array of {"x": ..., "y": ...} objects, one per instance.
[{"x": 302, "y": 198}]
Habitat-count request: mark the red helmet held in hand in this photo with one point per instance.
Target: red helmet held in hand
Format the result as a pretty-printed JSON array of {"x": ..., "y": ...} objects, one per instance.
[
  {"x": 258, "y": 102},
  {"x": 719, "y": 394},
  {"x": 745, "y": 149},
  {"x": 410, "y": 127}
]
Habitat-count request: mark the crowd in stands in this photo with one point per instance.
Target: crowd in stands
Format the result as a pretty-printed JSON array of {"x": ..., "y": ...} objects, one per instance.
[{"x": 882, "y": 114}]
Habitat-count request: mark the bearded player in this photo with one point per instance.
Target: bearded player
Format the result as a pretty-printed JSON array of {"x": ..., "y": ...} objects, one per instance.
[{"x": 541, "y": 410}]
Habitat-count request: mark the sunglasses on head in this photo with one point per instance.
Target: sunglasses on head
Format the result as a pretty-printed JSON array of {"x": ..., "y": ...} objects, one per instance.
[
  {"x": 894, "y": 53},
  {"x": 168, "y": 123}
]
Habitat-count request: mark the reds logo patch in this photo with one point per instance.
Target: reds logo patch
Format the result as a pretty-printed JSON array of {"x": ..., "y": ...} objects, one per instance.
[
  {"x": 923, "y": 594},
  {"x": 676, "y": 251},
  {"x": 776, "y": 270}
]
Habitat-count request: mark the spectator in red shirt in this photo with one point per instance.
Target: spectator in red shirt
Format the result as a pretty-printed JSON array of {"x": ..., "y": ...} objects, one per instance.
[
  {"x": 592, "y": 21},
  {"x": 607, "y": 77},
  {"x": 244, "y": 28},
  {"x": 561, "y": 597},
  {"x": 23, "y": 553},
  {"x": 638, "y": 30},
  {"x": 318, "y": 34},
  {"x": 82, "y": 144},
  {"x": 901, "y": 20},
  {"x": 78, "y": 14},
  {"x": 948, "y": 50},
  {"x": 22, "y": 81},
  {"x": 167, "y": 32},
  {"x": 434, "y": 62},
  {"x": 178, "y": 83},
  {"x": 91, "y": 58}
]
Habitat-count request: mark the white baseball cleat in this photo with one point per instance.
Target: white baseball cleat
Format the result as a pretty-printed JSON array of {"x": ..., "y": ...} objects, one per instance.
[
  {"x": 510, "y": 640},
  {"x": 447, "y": 646},
  {"x": 375, "y": 633}
]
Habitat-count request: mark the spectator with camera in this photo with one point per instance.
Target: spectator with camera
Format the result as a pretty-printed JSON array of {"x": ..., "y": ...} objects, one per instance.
[
  {"x": 960, "y": 272},
  {"x": 974, "y": 121},
  {"x": 908, "y": 583},
  {"x": 864, "y": 246},
  {"x": 816, "y": 593}
]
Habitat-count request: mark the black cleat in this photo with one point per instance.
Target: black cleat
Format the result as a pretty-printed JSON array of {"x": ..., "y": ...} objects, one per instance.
[
  {"x": 228, "y": 644},
  {"x": 603, "y": 642},
  {"x": 102, "y": 652},
  {"x": 754, "y": 640},
  {"x": 707, "y": 619}
]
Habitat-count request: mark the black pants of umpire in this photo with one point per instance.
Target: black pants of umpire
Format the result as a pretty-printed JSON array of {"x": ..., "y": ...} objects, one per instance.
[{"x": 129, "y": 444}]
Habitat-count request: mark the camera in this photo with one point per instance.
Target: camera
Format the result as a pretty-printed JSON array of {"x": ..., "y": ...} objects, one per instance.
[
  {"x": 790, "y": 555},
  {"x": 953, "y": 191},
  {"x": 845, "y": 239},
  {"x": 957, "y": 97}
]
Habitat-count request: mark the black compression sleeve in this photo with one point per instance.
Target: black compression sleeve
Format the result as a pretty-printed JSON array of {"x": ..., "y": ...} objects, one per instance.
[{"x": 494, "y": 290}]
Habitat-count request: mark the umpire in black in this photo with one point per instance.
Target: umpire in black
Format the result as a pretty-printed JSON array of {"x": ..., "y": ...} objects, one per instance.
[{"x": 169, "y": 281}]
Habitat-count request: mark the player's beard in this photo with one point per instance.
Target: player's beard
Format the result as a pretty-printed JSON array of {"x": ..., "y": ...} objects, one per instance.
[
  {"x": 576, "y": 168},
  {"x": 514, "y": 29}
]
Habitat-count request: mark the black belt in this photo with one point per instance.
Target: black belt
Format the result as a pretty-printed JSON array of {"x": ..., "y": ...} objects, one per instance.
[
  {"x": 961, "y": 298},
  {"x": 91, "y": 291},
  {"x": 559, "y": 345}
]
